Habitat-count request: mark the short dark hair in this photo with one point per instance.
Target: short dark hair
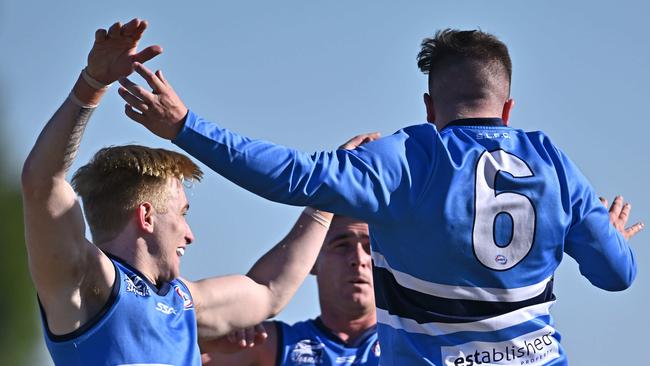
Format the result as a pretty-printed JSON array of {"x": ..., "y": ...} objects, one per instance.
[
  {"x": 451, "y": 47},
  {"x": 457, "y": 44}
]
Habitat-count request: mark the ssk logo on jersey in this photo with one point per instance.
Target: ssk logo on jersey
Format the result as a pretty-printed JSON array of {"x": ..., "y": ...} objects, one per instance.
[
  {"x": 187, "y": 300},
  {"x": 307, "y": 352},
  {"x": 135, "y": 285},
  {"x": 165, "y": 309}
]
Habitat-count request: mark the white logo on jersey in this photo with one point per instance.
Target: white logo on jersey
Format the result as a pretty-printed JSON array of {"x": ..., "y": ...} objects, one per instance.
[
  {"x": 492, "y": 135},
  {"x": 135, "y": 285},
  {"x": 307, "y": 352},
  {"x": 345, "y": 359},
  {"x": 165, "y": 309},
  {"x": 536, "y": 348}
]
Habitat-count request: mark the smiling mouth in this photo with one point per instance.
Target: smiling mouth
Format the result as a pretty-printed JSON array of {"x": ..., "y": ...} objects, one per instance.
[{"x": 180, "y": 252}]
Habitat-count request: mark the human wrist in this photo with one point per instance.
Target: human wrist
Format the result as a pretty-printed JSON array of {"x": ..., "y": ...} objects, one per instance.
[
  {"x": 92, "y": 81},
  {"x": 323, "y": 218},
  {"x": 85, "y": 95}
]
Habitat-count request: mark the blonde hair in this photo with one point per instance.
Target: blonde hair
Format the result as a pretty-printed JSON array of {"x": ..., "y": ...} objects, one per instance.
[{"x": 119, "y": 178}]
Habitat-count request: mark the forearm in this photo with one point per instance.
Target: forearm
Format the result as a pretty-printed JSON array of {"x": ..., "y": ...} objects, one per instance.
[
  {"x": 604, "y": 257},
  {"x": 285, "y": 266},
  {"x": 58, "y": 143},
  {"x": 340, "y": 181}
]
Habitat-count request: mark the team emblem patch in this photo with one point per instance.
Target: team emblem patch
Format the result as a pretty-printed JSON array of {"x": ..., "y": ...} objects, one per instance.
[
  {"x": 307, "y": 352},
  {"x": 376, "y": 349},
  {"x": 187, "y": 300},
  {"x": 501, "y": 259},
  {"x": 136, "y": 285}
]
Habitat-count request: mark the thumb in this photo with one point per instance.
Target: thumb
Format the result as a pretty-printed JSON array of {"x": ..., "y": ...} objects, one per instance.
[{"x": 147, "y": 54}]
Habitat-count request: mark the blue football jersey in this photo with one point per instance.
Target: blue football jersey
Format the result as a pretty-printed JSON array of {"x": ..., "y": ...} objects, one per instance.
[
  {"x": 467, "y": 227},
  {"x": 311, "y": 343},
  {"x": 140, "y": 325}
]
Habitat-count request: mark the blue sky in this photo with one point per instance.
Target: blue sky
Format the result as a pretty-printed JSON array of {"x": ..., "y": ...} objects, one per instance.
[{"x": 310, "y": 74}]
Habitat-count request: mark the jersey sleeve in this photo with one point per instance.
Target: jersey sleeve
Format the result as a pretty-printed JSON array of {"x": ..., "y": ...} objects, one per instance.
[
  {"x": 602, "y": 253},
  {"x": 372, "y": 183}
]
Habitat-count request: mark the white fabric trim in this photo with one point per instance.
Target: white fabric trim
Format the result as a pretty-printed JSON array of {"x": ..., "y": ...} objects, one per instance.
[{"x": 486, "y": 325}]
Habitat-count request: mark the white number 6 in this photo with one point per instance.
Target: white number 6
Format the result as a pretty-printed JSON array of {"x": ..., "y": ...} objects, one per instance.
[{"x": 488, "y": 205}]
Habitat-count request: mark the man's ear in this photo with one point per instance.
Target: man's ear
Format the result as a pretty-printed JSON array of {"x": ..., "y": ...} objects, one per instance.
[
  {"x": 145, "y": 217},
  {"x": 507, "y": 107},
  {"x": 431, "y": 111}
]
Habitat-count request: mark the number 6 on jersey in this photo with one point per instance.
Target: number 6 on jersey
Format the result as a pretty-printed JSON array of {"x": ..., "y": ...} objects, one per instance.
[{"x": 489, "y": 204}]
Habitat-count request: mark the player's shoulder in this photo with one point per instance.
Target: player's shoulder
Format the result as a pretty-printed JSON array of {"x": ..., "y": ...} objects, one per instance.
[{"x": 417, "y": 130}]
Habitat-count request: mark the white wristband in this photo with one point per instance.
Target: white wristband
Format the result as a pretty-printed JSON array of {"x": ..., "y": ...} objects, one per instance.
[
  {"x": 317, "y": 216},
  {"x": 73, "y": 98},
  {"x": 92, "y": 82}
]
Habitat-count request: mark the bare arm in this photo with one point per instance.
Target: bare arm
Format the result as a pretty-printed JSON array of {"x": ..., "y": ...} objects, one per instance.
[
  {"x": 224, "y": 304},
  {"x": 72, "y": 277}
]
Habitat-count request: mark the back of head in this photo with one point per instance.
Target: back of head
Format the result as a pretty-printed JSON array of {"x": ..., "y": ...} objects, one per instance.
[
  {"x": 119, "y": 178},
  {"x": 467, "y": 69}
]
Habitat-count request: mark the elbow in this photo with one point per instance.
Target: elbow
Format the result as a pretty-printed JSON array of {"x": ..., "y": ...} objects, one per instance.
[
  {"x": 625, "y": 281},
  {"x": 28, "y": 179},
  {"x": 274, "y": 308},
  {"x": 35, "y": 184},
  {"x": 617, "y": 282}
]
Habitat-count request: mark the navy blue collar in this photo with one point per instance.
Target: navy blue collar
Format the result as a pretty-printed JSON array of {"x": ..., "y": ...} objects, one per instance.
[
  {"x": 318, "y": 322},
  {"x": 161, "y": 290},
  {"x": 492, "y": 121}
]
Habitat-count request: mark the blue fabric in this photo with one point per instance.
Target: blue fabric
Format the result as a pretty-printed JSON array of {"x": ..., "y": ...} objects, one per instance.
[
  {"x": 467, "y": 227},
  {"x": 309, "y": 343},
  {"x": 142, "y": 325}
]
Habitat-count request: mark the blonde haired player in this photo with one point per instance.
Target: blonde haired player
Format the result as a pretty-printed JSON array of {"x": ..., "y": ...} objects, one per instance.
[{"x": 118, "y": 300}]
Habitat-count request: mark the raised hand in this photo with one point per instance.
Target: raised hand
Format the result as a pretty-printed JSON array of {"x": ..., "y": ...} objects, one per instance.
[
  {"x": 619, "y": 213},
  {"x": 160, "y": 110},
  {"x": 115, "y": 51}
]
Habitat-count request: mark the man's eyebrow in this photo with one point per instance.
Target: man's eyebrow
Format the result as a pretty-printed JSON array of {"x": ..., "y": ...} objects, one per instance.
[{"x": 347, "y": 236}]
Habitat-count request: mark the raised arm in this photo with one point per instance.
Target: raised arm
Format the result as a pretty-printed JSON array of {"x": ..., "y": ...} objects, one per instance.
[
  {"x": 224, "y": 304},
  {"x": 598, "y": 239},
  {"x": 367, "y": 183},
  {"x": 71, "y": 275}
]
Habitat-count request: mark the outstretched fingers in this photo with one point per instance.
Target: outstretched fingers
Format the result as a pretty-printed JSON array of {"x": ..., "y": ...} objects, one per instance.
[
  {"x": 135, "y": 89},
  {"x": 154, "y": 82},
  {"x": 633, "y": 230},
  {"x": 100, "y": 35},
  {"x": 132, "y": 100},
  {"x": 604, "y": 201},
  {"x": 130, "y": 28},
  {"x": 135, "y": 115},
  {"x": 114, "y": 30},
  {"x": 147, "y": 54},
  {"x": 142, "y": 25},
  {"x": 615, "y": 210}
]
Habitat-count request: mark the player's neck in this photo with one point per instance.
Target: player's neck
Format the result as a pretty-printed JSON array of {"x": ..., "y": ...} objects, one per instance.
[
  {"x": 133, "y": 252},
  {"x": 446, "y": 119},
  {"x": 348, "y": 327}
]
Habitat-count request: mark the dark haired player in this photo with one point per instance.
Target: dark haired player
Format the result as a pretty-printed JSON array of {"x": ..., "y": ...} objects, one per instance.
[{"x": 469, "y": 218}]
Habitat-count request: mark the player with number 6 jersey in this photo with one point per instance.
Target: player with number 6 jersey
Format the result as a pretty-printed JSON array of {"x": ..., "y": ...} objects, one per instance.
[{"x": 469, "y": 218}]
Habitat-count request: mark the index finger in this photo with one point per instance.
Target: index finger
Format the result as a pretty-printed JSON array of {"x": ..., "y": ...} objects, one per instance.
[{"x": 154, "y": 82}]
